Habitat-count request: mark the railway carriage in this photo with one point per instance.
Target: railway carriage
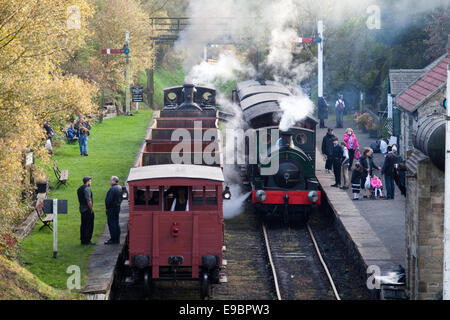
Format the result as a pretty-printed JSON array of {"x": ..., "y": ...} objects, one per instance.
[
  {"x": 293, "y": 189},
  {"x": 176, "y": 194}
]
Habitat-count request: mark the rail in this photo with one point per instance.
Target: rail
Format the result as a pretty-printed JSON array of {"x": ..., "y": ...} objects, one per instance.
[{"x": 274, "y": 273}]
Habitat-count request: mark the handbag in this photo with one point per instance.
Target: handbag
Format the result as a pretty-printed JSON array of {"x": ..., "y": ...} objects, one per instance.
[
  {"x": 367, "y": 185},
  {"x": 357, "y": 155}
]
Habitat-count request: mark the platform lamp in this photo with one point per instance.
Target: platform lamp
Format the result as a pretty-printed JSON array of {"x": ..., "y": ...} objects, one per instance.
[
  {"x": 124, "y": 193},
  {"x": 227, "y": 193}
]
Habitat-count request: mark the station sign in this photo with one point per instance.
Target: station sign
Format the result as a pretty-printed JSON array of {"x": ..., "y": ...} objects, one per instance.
[
  {"x": 29, "y": 160},
  {"x": 137, "y": 94},
  {"x": 61, "y": 208}
]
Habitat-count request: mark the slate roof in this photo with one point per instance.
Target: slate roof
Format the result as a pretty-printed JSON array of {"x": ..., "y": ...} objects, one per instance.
[{"x": 400, "y": 79}]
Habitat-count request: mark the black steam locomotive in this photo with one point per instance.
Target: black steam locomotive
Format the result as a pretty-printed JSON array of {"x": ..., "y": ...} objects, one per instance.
[{"x": 293, "y": 189}]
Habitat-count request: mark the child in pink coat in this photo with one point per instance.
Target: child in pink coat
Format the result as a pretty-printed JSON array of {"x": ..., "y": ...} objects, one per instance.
[{"x": 377, "y": 186}]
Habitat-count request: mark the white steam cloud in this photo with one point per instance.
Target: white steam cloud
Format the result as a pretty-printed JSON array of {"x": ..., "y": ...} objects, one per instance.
[
  {"x": 225, "y": 69},
  {"x": 294, "y": 108}
]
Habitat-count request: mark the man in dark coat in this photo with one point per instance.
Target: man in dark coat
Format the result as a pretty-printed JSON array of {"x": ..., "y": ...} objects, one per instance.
[
  {"x": 112, "y": 203},
  {"x": 87, "y": 213},
  {"x": 323, "y": 110},
  {"x": 327, "y": 149},
  {"x": 388, "y": 170},
  {"x": 337, "y": 156}
]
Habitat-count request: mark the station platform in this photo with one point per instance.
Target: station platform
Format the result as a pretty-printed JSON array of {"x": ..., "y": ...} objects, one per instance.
[
  {"x": 103, "y": 261},
  {"x": 373, "y": 229}
]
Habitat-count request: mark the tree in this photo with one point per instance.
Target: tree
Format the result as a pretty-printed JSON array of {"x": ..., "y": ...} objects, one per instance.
[
  {"x": 109, "y": 25},
  {"x": 35, "y": 38},
  {"x": 438, "y": 29}
]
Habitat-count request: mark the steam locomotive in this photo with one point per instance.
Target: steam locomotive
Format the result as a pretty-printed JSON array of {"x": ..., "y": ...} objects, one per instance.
[{"x": 293, "y": 189}]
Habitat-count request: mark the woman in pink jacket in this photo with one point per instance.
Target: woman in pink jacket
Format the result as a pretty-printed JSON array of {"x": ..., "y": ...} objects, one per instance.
[{"x": 352, "y": 145}]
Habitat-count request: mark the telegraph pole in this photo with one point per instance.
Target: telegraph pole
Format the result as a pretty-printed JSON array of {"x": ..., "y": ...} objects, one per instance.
[
  {"x": 127, "y": 75},
  {"x": 446, "y": 280}
]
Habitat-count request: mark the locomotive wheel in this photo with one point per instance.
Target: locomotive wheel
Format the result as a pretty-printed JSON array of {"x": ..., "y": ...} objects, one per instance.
[
  {"x": 204, "y": 286},
  {"x": 147, "y": 285}
]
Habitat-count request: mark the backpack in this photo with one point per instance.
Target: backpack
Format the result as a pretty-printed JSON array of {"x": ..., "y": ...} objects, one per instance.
[{"x": 341, "y": 106}]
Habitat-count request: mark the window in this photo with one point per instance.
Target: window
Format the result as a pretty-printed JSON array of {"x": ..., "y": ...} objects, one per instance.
[
  {"x": 177, "y": 198},
  {"x": 140, "y": 196},
  {"x": 146, "y": 196},
  {"x": 153, "y": 199},
  {"x": 204, "y": 196},
  {"x": 301, "y": 139}
]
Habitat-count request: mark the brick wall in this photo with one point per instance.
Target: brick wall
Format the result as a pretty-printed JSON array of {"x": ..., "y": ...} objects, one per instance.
[{"x": 424, "y": 228}]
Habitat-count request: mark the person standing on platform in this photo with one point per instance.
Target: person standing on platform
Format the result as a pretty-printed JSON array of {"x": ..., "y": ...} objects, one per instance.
[
  {"x": 327, "y": 149},
  {"x": 112, "y": 203},
  {"x": 368, "y": 166},
  {"x": 356, "y": 180},
  {"x": 337, "y": 157},
  {"x": 352, "y": 145},
  {"x": 323, "y": 110},
  {"x": 340, "y": 107},
  {"x": 87, "y": 212},
  {"x": 345, "y": 165},
  {"x": 388, "y": 171}
]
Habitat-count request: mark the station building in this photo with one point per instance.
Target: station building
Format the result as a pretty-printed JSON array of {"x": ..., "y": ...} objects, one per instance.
[{"x": 419, "y": 101}]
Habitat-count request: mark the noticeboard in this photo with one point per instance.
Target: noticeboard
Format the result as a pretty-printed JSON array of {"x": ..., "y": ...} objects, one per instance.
[
  {"x": 137, "y": 94},
  {"x": 29, "y": 160},
  {"x": 48, "y": 206}
]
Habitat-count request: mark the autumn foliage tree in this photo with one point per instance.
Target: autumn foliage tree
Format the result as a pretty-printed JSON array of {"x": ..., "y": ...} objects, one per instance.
[
  {"x": 109, "y": 24},
  {"x": 35, "y": 39}
]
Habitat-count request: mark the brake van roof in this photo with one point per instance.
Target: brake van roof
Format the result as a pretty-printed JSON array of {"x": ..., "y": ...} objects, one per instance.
[{"x": 170, "y": 171}]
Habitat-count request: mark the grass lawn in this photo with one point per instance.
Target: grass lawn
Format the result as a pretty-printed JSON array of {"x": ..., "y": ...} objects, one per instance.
[{"x": 112, "y": 148}]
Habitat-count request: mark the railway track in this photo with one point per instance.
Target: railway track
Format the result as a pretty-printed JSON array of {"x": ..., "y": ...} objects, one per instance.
[
  {"x": 294, "y": 264},
  {"x": 299, "y": 271}
]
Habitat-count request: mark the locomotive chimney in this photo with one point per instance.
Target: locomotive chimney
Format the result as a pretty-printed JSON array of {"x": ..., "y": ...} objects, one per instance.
[{"x": 189, "y": 104}]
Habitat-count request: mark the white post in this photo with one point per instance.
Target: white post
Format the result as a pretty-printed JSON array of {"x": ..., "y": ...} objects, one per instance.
[
  {"x": 390, "y": 107},
  {"x": 137, "y": 106},
  {"x": 205, "y": 53},
  {"x": 320, "y": 59},
  {"x": 55, "y": 228},
  {"x": 127, "y": 78},
  {"x": 446, "y": 280}
]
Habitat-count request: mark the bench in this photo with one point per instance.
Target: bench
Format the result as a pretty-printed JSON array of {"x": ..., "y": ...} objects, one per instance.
[
  {"x": 68, "y": 138},
  {"x": 61, "y": 175},
  {"x": 46, "y": 219}
]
